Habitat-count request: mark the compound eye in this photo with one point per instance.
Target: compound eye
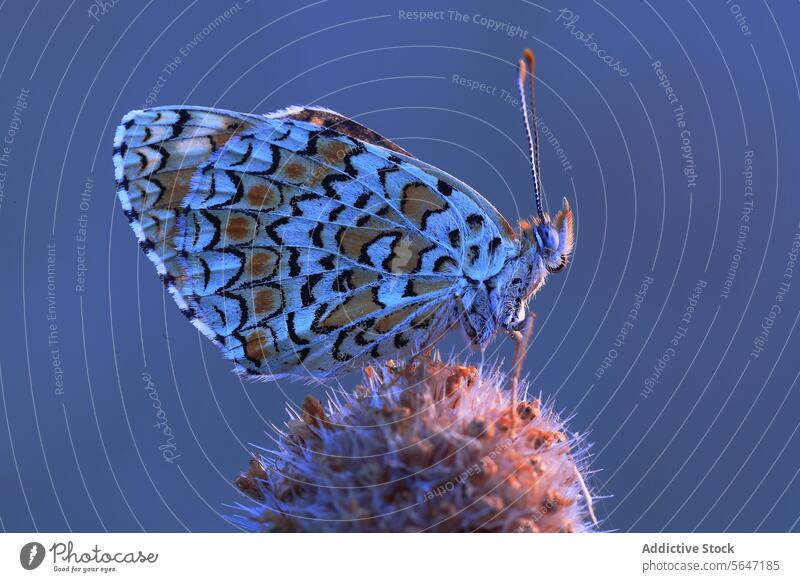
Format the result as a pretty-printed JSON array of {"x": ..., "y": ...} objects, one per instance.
[{"x": 547, "y": 237}]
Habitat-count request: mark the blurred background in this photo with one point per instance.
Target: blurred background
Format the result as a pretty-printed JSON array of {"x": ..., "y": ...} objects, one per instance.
[{"x": 670, "y": 340}]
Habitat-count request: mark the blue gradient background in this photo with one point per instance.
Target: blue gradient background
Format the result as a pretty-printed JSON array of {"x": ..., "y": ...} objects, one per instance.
[{"x": 714, "y": 446}]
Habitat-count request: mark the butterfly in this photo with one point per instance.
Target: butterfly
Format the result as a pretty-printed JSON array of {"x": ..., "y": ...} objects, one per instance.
[{"x": 304, "y": 244}]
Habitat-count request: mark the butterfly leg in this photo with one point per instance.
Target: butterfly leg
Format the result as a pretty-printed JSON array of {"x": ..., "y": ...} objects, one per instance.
[
  {"x": 466, "y": 327},
  {"x": 515, "y": 335},
  {"x": 477, "y": 319}
]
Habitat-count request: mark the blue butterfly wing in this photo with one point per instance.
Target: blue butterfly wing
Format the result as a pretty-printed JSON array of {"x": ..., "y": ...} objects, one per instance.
[{"x": 300, "y": 250}]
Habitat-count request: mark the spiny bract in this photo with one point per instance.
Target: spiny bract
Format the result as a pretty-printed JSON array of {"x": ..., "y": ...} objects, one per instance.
[{"x": 428, "y": 446}]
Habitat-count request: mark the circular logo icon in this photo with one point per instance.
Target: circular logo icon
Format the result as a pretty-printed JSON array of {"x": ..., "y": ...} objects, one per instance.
[{"x": 31, "y": 555}]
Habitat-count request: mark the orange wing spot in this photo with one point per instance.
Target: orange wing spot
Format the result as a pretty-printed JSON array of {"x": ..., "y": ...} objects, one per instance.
[
  {"x": 176, "y": 187},
  {"x": 354, "y": 308},
  {"x": 318, "y": 175},
  {"x": 262, "y": 263},
  {"x": 361, "y": 277},
  {"x": 233, "y": 129},
  {"x": 334, "y": 152},
  {"x": 263, "y": 197},
  {"x": 392, "y": 215},
  {"x": 256, "y": 347},
  {"x": 388, "y": 323},
  {"x": 264, "y": 301},
  {"x": 424, "y": 319},
  {"x": 375, "y": 223},
  {"x": 238, "y": 228},
  {"x": 221, "y": 139},
  {"x": 352, "y": 240},
  {"x": 295, "y": 171},
  {"x": 406, "y": 251},
  {"x": 417, "y": 199},
  {"x": 423, "y": 286}
]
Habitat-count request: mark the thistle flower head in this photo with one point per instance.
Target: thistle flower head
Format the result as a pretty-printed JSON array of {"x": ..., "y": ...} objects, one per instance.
[{"x": 428, "y": 446}]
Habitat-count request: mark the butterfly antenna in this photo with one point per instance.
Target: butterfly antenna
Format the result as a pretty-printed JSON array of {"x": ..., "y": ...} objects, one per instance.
[
  {"x": 530, "y": 58},
  {"x": 528, "y": 62}
]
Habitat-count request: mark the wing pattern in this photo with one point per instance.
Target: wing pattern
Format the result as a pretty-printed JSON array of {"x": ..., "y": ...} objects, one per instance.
[{"x": 300, "y": 250}]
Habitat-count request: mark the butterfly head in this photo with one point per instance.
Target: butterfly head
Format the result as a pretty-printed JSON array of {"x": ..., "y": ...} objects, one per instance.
[{"x": 551, "y": 240}]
